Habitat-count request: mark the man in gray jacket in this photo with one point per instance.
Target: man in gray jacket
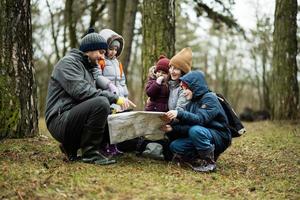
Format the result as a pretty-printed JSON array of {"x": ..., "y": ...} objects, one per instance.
[{"x": 76, "y": 111}]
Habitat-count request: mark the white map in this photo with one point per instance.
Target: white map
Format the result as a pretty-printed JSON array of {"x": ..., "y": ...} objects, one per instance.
[{"x": 129, "y": 125}]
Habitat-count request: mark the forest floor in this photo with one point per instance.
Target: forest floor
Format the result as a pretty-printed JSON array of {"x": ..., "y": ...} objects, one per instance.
[{"x": 262, "y": 164}]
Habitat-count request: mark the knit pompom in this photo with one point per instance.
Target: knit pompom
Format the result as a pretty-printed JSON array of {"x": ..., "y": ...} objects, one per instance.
[
  {"x": 91, "y": 30},
  {"x": 161, "y": 57}
]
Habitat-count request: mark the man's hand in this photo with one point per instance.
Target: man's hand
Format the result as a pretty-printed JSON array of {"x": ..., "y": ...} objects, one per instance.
[{"x": 166, "y": 128}]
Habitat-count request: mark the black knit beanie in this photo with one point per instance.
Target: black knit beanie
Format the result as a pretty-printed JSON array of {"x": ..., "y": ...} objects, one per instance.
[{"x": 92, "y": 41}]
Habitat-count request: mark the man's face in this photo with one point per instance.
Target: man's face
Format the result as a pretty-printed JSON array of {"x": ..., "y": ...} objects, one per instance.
[{"x": 95, "y": 56}]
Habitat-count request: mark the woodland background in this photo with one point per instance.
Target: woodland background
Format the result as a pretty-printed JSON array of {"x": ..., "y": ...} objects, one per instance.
[{"x": 254, "y": 68}]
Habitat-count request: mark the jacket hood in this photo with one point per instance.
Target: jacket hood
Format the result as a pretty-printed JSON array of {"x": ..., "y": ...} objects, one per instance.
[
  {"x": 109, "y": 35},
  {"x": 196, "y": 82}
]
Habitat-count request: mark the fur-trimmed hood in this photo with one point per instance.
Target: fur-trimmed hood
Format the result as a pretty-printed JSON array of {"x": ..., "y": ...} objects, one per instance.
[{"x": 109, "y": 35}]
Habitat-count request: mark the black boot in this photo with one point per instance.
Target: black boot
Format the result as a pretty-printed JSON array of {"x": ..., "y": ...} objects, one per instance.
[
  {"x": 93, "y": 156},
  {"x": 70, "y": 153},
  {"x": 90, "y": 143},
  {"x": 207, "y": 162}
]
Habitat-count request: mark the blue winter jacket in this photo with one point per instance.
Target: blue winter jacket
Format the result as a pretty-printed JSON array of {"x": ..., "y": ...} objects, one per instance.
[{"x": 204, "y": 110}]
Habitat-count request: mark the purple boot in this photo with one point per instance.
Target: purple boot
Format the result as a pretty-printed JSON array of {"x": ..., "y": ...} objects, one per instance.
[{"x": 112, "y": 150}]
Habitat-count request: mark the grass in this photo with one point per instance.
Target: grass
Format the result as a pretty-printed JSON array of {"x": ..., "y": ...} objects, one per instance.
[{"x": 263, "y": 164}]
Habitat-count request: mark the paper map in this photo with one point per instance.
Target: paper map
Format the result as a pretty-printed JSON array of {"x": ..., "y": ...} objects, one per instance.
[{"x": 129, "y": 125}]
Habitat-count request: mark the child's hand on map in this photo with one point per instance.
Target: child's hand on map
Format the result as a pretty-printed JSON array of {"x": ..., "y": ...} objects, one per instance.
[{"x": 125, "y": 103}]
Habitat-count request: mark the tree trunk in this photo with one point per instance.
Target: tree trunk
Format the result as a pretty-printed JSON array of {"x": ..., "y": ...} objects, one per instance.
[
  {"x": 95, "y": 11},
  {"x": 265, "y": 86},
  {"x": 53, "y": 32},
  {"x": 224, "y": 78},
  {"x": 112, "y": 12},
  {"x": 121, "y": 5},
  {"x": 158, "y": 22},
  {"x": 18, "y": 106},
  {"x": 71, "y": 23},
  {"x": 128, "y": 28},
  {"x": 285, "y": 91}
]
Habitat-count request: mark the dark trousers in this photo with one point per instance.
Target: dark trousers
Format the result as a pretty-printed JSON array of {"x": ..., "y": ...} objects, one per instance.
[{"x": 82, "y": 125}]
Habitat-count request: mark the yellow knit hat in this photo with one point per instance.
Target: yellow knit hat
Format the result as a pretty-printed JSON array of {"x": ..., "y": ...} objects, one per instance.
[{"x": 183, "y": 60}]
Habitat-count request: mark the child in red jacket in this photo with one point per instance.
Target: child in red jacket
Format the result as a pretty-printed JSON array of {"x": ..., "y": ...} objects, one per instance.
[{"x": 157, "y": 88}]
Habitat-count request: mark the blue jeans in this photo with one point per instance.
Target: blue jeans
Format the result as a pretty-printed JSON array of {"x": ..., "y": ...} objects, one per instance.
[{"x": 199, "y": 139}]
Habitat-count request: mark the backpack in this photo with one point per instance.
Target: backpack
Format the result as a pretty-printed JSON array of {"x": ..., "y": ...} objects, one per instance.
[
  {"x": 235, "y": 125},
  {"x": 102, "y": 66}
]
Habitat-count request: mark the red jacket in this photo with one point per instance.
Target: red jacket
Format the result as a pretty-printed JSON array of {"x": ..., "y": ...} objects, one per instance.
[{"x": 158, "y": 94}]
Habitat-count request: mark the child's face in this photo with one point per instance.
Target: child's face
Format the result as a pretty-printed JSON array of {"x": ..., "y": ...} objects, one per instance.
[
  {"x": 112, "y": 52},
  {"x": 175, "y": 73},
  {"x": 187, "y": 92},
  {"x": 161, "y": 73}
]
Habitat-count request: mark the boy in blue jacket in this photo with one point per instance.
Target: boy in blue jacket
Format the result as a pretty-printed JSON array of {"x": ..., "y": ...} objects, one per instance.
[{"x": 203, "y": 125}]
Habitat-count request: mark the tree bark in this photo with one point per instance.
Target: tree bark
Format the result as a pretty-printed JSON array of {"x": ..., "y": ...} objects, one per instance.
[
  {"x": 285, "y": 91},
  {"x": 158, "y": 22},
  {"x": 112, "y": 12},
  {"x": 71, "y": 23},
  {"x": 128, "y": 32},
  {"x": 265, "y": 78},
  {"x": 18, "y": 106},
  {"x": 121, "y": 5}
]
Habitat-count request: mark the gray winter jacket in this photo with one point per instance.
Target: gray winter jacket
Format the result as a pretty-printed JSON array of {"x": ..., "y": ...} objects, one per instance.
[
  {"x": 71, "y": 83},
  {"x": 111, "y": 72},
  {"x": 177, "y": 100}
]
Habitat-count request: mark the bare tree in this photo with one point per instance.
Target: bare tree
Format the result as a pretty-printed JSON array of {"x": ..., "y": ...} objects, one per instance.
[
  {"x": 96, "y": 10},
  {"x": 128, "y": 32}
]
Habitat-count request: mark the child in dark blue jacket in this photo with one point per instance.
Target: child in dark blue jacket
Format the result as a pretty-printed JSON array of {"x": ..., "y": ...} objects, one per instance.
[{"x": 203, "y": 125}]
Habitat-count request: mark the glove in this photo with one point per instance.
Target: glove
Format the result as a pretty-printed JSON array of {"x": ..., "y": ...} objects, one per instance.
[
  {"x": 112, "y": 88},
  {"x": 159, "y": 80},
  {"x": 121, "y": 101}
]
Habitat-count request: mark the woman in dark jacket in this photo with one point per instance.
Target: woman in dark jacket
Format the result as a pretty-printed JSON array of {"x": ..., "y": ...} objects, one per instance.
[{"x": 203, "y": 125}]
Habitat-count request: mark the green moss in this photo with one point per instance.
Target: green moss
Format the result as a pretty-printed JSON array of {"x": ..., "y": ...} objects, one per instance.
[{"x": 9, "y": 112}]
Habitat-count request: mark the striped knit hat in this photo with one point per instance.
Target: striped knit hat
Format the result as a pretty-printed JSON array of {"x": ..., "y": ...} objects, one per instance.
[{"x": 92, "y": 41}]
